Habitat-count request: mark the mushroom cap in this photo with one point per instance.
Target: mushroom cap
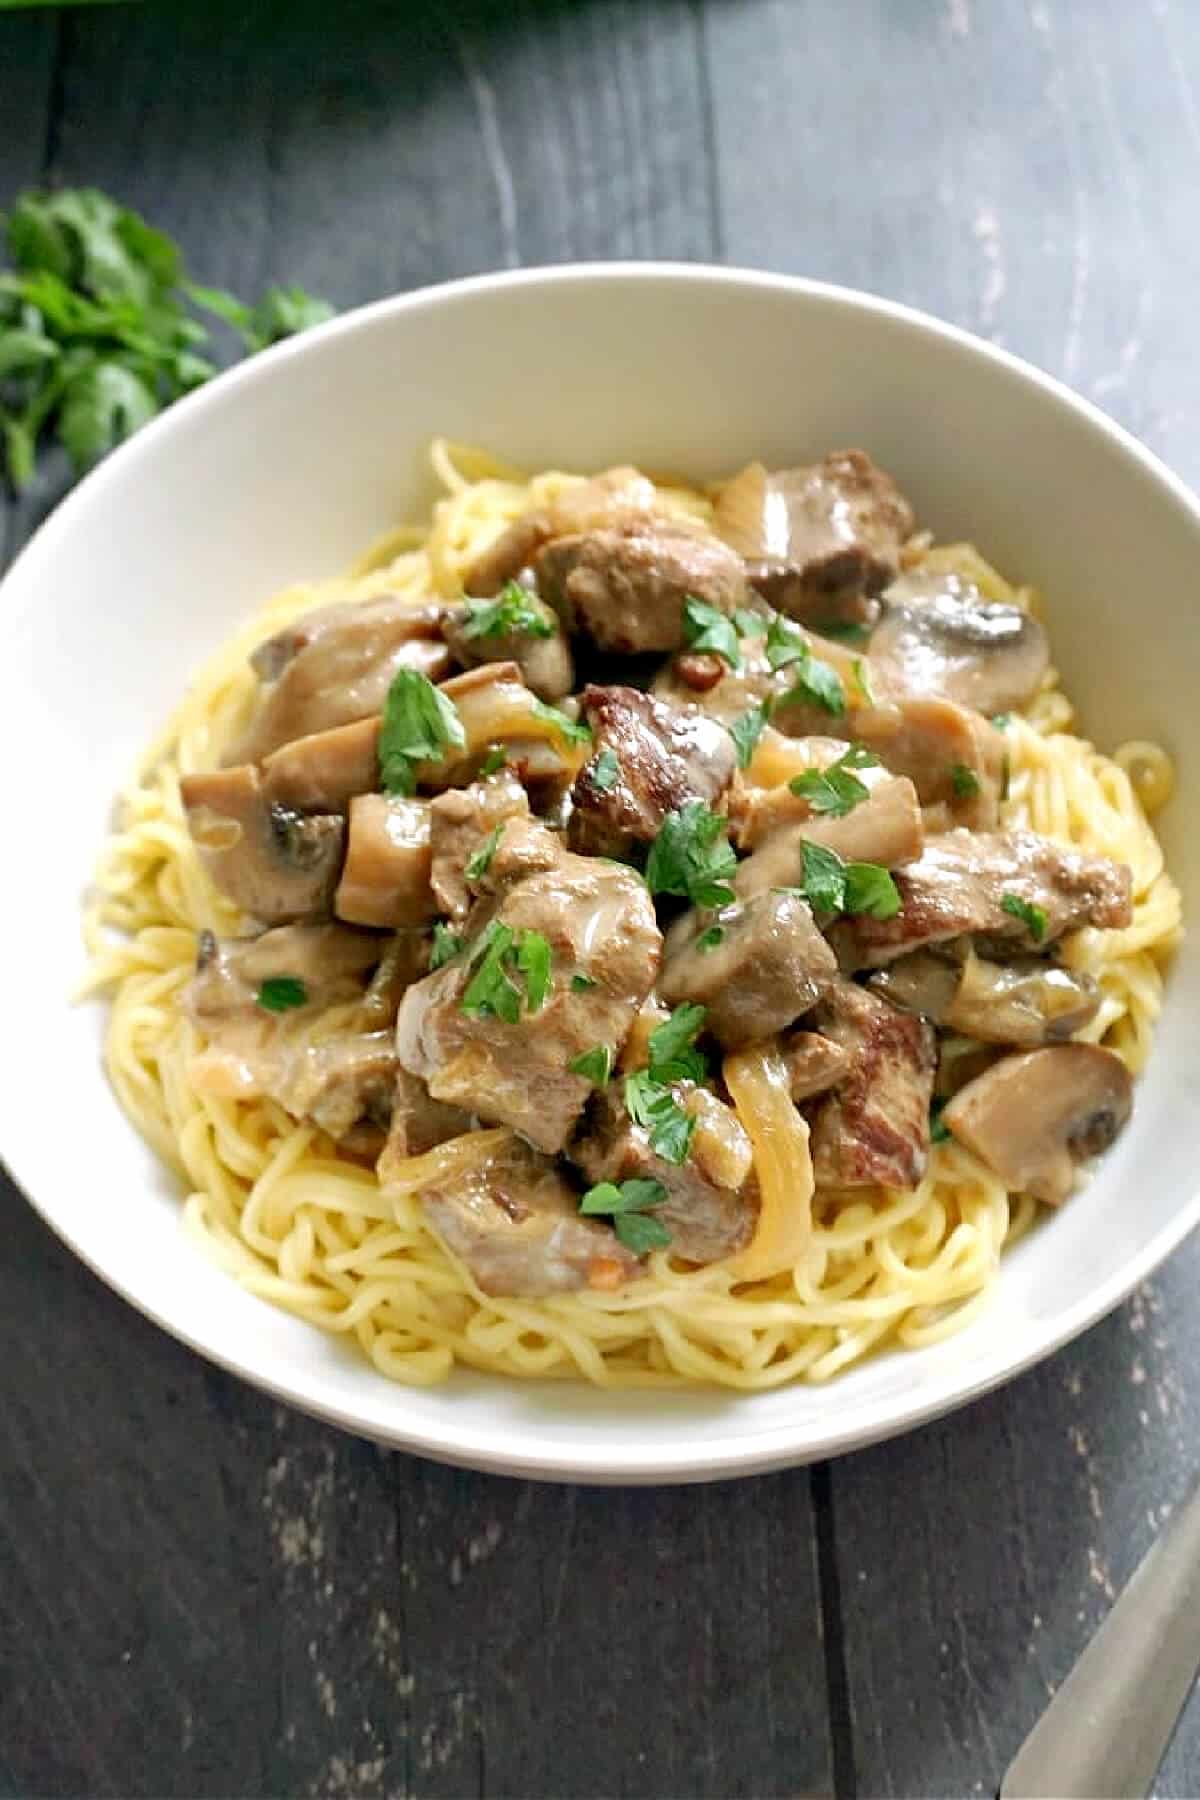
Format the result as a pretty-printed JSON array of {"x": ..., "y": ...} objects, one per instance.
[
  {"x": 939, "y": 636},
  {"x": 1035, "y": 1116},
  {"x": 275, "y": 863}
]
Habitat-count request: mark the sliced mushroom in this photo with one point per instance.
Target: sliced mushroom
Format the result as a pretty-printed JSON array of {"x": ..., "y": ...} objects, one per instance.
[
  {"x": 330, "y": 961},
  {"x": 385, "y": 880},
  {"x": 885, "y": 828},
  {"x": 324, "y": 771},
  {"x": 271, "y": 861},
  {"x": 1027, "y": 1001},
  {"x": 1035, "y": 1116},
  {"x": 938, "y": 636}
]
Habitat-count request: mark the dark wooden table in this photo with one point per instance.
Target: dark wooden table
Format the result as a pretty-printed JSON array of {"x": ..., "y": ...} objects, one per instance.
[{"x": 203, "y": 1594}]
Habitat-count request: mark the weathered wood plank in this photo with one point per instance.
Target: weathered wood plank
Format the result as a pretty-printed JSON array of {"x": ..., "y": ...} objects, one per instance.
[{"x": 1026, "y": 170}]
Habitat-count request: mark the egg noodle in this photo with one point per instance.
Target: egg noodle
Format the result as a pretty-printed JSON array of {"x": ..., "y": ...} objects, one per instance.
[{"x": 314, "y": 1231}]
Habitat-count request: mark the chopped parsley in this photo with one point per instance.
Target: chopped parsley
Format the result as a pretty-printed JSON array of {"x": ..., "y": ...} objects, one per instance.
[
  {"x": 819, "y": 684},
  {"x": 671, "y": 1046},
  {"x": 708, "y": 940},
  {"x": 495, "y": 759},
  {"x": 496, "y": 954},
  {"x": 595, "y": 1065},
  {"x": 280, "y": 993},
  {"x": 419, "y": 725},
  {"x": 572, "y": 731},
  {"x": 692, "y": 857},
  {"x": 964, "y": 781},
  {"x": 939, "y": 1131},
  {"x": 491, "y": 992},
  {"x": 746, "y": 731},
  {"x": 1032, "y": 917},
  {"x": 786, "y": 643},
  {"x": 844, "y": 631},
  {"x": 533, "y": 960},
  {"x": 835, "y": 790},
  {"x": 580, "y": 983},
  {"x": 831, "y": 885},
  {"x": 655, "y": 1108},
  {"x": 706, "y": 628},
  {"x": 481, "y": 861},
  {"x": 512, "y": 612},
  {"x": 629, "y": 1206},
  {"x": 749, "y": 624},
  {"x": 862, "y": 681},
  {"x": 446, "y": 945},
  {"x": 605, "y": 771},
  {"x": 1002, "y": 721}
]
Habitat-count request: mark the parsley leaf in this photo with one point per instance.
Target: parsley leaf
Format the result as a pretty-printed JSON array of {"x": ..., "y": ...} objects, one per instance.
[
  {"x": 533, "y": 960},
  {"x": 692, "y": 857},
  {"x": 823, "y": 881},
  {"x": 1002, "y": 721},
  {"x": 491, "y": 992},
  {"x": 831, "y": 885},
  {"x": 595, "y": 1065},
  {"x": 495, "y": 759},
  {"x": 673, "y": 1037},
  {"x": 512, "y": 611},
  {"x": 605, "y": 770},
  {"x": 819, "y": 684},
  {"x": 870, "y": 889},
  {"x": 655, "y": 1108},
  {"x": 862, "y": 681},
  {"x": 845, "y": 631},
  {"x": 706, "y": 628},
  {"x": 786, "y": 643},
  {"x": 480, "y": 861},
  {"x": 835, "y": 790},
  {"x": 446, "y": 945},
  {"x": 572, "y": 731},
  {"x": 628, "y": 1205},
  {"x": 708, "y": 940},
  {"x": 749, "y": 624},
  {"x": 1032, "y": 917},
  {"x": 580, "y": 983},
  {"x": 419, "y": 723},
  {"x": 280, "y": 993},
  {"x": 964, "y": 781},
  {"x": 939, "y": 1131},
  {"x": 95, "y": 332},
  {"x": 746, "y": 731}
]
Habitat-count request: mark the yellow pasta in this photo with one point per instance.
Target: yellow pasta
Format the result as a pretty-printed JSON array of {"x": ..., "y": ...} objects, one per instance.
[{"x": 826, "y": 1281}]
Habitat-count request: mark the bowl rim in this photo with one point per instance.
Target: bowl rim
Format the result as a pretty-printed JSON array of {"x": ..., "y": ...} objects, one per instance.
[{"x": 712, "y": 1456}]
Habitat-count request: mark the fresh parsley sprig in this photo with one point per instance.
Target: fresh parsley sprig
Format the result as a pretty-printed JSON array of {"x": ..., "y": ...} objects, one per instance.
[
  {"x": 95, "y": 332},
  {"x": 419, "y": 725},
  {"x": 1032, "y": 917},
  {"x": 281, "y": 993},
  {"x": 512, "y": 613},
  {"x": 629, "y": 1205},
  {"x": 836, "y": 790},
  {"x": 832, "y": 885},
  {"x": 497, "y": 956},
  {"x": 707, "y": 628},
  {"x": 692, "y": 857},
  {"x": 817, "y": 682}
]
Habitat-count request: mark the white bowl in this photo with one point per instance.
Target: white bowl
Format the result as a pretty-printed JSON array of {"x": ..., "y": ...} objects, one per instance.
[{"x": 285, "y": 468}]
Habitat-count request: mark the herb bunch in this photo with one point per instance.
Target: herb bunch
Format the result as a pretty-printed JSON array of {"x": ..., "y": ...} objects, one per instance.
[{"x": 98, "y": 330}]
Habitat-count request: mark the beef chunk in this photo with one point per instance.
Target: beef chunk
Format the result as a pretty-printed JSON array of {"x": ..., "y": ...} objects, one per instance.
[
  {"x": 712, "y": 1200},
  {"x": 769, "y": 966},
  {"x": 820, "y": 540},
  {"x": 599, "y": 922},
  {"x": 650, "y": 759},
  {"x": 460, "y": 824},
  {"x": 873, "y": 1128},
  {"x": 1013, "y": 887},
  {"x": 626, "y": 590},
  {"x": 515, "y": 1222}
]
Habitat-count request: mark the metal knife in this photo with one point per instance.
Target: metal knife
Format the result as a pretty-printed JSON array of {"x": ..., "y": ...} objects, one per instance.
[{"x": 1105, "y": 1731}]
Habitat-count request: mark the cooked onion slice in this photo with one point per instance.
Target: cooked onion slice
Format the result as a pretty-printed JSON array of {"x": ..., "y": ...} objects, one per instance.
[{"x": 757, "y": 1079}]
